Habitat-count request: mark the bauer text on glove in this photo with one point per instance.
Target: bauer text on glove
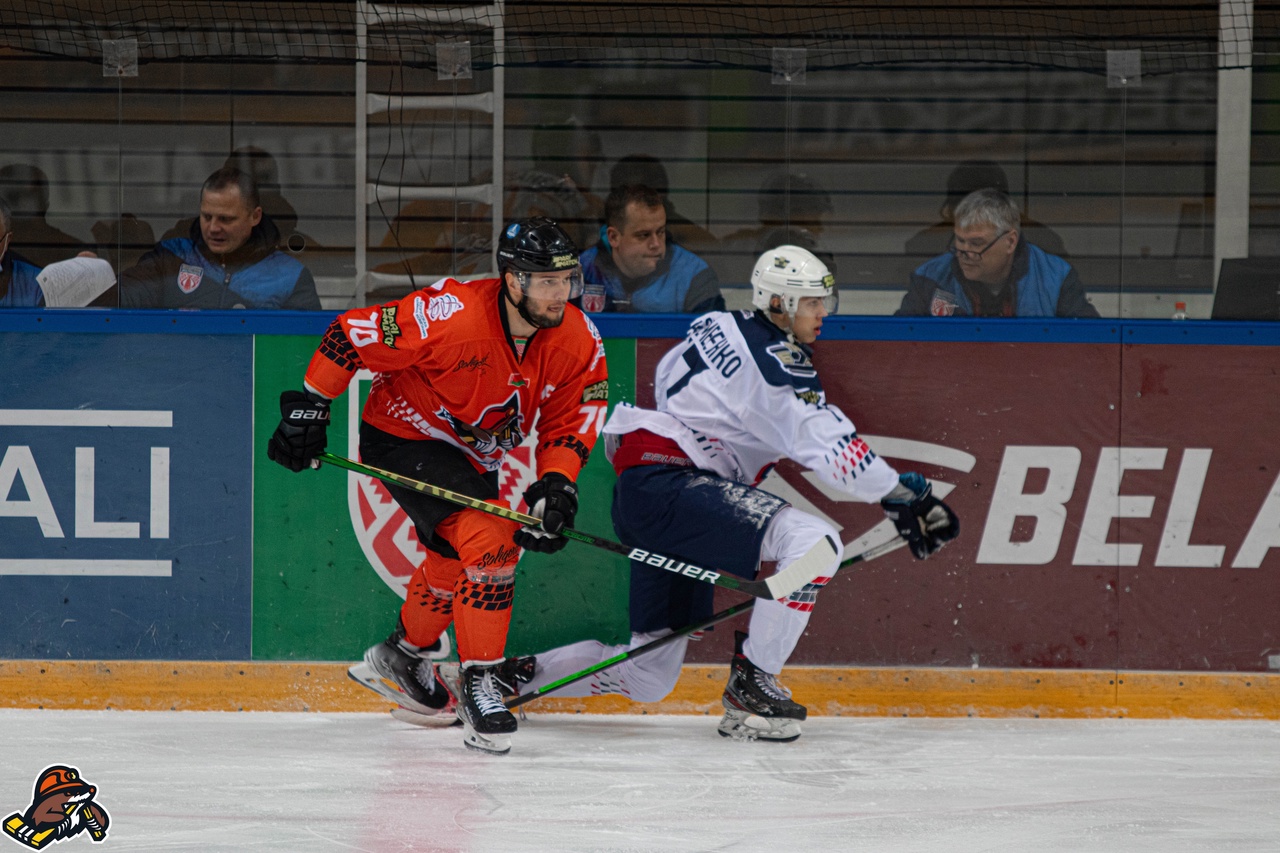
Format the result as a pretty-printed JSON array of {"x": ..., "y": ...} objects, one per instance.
[{"x": 301, "y": 436}]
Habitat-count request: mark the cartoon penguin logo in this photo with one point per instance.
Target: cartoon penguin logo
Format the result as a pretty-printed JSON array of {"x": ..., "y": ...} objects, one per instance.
[{"x": 62, "y": 806}]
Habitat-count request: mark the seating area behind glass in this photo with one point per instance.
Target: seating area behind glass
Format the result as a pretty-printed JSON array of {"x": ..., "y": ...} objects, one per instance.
[{"x": 845, "y": 131}]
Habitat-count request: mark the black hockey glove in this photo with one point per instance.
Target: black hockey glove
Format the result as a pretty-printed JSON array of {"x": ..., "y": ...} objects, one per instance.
[
  {"x": 301, "y": 434},
  {"x": 554, "y": 499},
  {"x": 924, "y": 521}
]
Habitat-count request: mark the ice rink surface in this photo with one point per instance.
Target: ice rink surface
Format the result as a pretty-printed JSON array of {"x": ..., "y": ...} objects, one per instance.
[{"x": 188, "y": 781}]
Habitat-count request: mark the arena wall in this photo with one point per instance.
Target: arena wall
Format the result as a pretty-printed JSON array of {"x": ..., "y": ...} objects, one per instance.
[{"x": 1116, "y": 483}]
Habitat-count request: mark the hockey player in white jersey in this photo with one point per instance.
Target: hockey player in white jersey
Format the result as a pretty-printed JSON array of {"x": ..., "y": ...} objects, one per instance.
[{"x": 736, "y": 396}]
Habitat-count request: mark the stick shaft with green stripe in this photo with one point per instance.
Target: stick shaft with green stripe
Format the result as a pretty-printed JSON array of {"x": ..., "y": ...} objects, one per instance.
[{"x": 758, "y": 589}]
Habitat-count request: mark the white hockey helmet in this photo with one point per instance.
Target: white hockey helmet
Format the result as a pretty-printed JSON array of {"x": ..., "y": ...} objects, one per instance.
[{"x": 791, "y": 273}]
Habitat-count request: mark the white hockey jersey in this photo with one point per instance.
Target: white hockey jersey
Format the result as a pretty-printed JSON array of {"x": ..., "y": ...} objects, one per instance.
[{"x": 738, "y": 394}]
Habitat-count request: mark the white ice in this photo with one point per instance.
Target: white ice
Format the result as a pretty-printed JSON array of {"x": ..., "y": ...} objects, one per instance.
[{"x": 187, "y": 781}]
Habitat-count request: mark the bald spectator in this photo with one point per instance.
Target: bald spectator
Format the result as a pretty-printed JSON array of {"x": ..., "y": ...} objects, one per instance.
[{"x": 229, "y": 259}]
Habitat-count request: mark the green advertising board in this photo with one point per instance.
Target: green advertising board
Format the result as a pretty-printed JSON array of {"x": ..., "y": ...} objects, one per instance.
[{"x": 328, "y": 555}]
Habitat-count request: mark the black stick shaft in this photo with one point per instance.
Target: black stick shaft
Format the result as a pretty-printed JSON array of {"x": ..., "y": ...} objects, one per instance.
[{"x": 758, "y": 589}]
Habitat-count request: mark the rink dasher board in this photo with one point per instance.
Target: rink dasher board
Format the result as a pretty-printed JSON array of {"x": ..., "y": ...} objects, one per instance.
[{"x": 826, "y": 691}]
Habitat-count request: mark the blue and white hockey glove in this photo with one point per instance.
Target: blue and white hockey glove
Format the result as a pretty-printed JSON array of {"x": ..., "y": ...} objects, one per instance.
[
  {"x": 924, "y": 521},
  {"x": 302, "y": 433},
  {"x": 554, "y": 499}
]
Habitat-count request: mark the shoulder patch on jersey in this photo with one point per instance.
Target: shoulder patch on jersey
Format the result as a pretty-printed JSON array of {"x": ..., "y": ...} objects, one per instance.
[
  {"x": 596, "y": 391},
  {"x": 443, "y": 307},
  {"x": 780, "y": 361},
  {"x": 390, "y": 329},
  {"x": 595, "y": 336},
  {"x": 812, "y": 397},
  {"x": 420, "y": 315},
  {"x": 792, "y": 359}
]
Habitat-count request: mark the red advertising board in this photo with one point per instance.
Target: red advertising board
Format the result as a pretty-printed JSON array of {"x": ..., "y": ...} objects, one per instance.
[{"x": 1119, "y": 505}]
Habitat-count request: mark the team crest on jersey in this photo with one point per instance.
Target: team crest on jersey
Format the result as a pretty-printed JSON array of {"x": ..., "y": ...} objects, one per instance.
[
  {"x": 387, "y": 536},
  {"x": 943, "y": 304},
  {"x": 497, "y": 430},
  {"x": 443, "y": 307},
  {"x": 189, "y": 277},
  {"x": 793, "y": 359}
]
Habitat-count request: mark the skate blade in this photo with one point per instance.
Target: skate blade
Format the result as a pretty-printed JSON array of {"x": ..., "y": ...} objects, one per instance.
[
  {"x": 365, "y": 676},
  {"x": 439, "y": 720},
  {"x": 491, "y": 744},
  {"x": 740, "y": 725},
  {"x": 451, "y": 675}
]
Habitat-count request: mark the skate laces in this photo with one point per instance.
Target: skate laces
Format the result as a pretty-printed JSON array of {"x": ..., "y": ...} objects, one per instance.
[
  {"x": 425, "y": 673},
  {"x": 485, "y": 693},
  {"x": 770, "y": 686}
]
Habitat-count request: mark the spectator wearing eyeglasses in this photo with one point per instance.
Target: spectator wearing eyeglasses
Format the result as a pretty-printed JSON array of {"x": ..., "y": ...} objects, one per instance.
[
  {"x": 990, "y": 271},
  {"x": 18, "y": 285}
]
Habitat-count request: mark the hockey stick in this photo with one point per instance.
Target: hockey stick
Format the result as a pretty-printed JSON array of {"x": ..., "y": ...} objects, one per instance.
[
  {"x": 776, "y": 586},
  {"x": 715, "y": 619}
]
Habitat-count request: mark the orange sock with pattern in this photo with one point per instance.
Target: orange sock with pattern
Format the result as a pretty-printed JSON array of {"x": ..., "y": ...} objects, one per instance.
[
  {"x": 424, "y": 614},
  {"x": 484, "y": 590}
]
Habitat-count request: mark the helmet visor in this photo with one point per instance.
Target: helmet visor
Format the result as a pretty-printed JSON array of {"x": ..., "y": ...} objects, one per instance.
[
  {"x": 817, "y": 306},
  {"x": 551, "y": 285}
]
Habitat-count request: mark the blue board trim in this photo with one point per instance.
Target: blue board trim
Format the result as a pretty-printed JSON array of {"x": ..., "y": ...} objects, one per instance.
[{"x": 838, "y": 328}]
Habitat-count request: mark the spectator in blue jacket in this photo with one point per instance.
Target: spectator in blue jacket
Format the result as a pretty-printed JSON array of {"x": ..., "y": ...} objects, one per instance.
[
  {"x": 229, "y": 260},
  {"x": 635, "y": 268},
  {"x": 18, "y": 285},
  {"x": 990, "y": 271}
]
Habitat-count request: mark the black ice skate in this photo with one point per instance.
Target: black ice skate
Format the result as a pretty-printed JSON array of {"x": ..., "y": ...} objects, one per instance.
[
  {"x": 406, "y": 675},
  {"x": 756, "y": 706},
  {"x": 486, "y": 722}
]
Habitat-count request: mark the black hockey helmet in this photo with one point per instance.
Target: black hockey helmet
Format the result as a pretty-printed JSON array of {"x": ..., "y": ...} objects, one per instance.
[{"x": 536, "y": 245}]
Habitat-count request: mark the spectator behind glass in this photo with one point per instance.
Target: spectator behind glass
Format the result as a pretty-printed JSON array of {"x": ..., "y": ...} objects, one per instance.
[
  {"x": 644, "y": 170},
  {"x": 261, "y": 166},
  {"x": 229, "y": 259},
  {"x": 792, "y": 210},
  {"x": 18, "y": 285},
  {"x": 26, "y": 188},
  {"x": 991, "y": 271},
  {"x": 970, "y": 176},
  {"x": 565, "y": 158},
  {"x": 634, "y": 268}
]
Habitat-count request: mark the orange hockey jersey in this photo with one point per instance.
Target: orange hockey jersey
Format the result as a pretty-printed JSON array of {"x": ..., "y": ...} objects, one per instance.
[{"x": 446, "y": 369}]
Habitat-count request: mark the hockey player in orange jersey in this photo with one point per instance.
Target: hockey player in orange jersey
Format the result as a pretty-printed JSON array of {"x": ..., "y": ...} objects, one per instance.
[{"x": 461, "y": 371}]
